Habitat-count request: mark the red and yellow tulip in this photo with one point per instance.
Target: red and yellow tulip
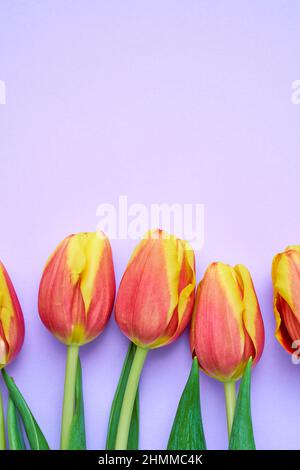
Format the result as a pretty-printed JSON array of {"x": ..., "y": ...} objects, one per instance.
[
  {"x": 76, "y": 299},
  {"x": 156, "y": 294},
  {"x": 11, "y": 320},
  {"x": 77, "y": 288},
  {"x": 227, "y": 327},
  {"x": 286, "y": 283},
  {"x": 154, "y": 305}
]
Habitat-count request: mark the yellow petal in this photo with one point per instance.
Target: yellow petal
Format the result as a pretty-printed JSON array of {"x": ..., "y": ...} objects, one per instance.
[
  {"x": 6, "y": 306},
  {"x": 84, "y": 254}
]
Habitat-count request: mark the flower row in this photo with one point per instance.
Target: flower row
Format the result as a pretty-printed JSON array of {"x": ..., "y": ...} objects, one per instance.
[{"x": 156, "y": 301}]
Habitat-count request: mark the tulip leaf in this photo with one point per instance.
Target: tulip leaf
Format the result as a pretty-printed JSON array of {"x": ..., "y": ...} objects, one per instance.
[
  {"x": 133, "y": 438},
  {"x": 15, "y": 436},
  {"x": 241, "y": 437},
  {"x": 187, "y": 431},
  {"x": 34, "y": 434},
  {"x": 77, "y": 439}
]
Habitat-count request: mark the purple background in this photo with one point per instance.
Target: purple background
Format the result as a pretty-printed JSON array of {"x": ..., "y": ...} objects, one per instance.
[{"x": 163, "y": 102}]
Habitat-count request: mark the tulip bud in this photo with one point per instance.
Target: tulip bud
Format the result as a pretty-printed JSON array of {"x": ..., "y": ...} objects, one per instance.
[
  {"x": 11, "y": 320},
  {"x": 227, "y": 327},
  {"x": 286, "y": 283},
  {"x": 77, "y": 288},
  {"x": 156, "y": 294}
]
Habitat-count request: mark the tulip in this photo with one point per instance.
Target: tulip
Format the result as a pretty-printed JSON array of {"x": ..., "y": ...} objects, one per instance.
[
  {"x": 77, "y": 288},
  {"x": 227, "y": 327},
  {"x": 11, "y": 331},
  {"x": 156, "y": 295},
  {"x": 154, "y": 305},
  {"x": 76, "y": 298},
  {"x": 286, "y": 283}
]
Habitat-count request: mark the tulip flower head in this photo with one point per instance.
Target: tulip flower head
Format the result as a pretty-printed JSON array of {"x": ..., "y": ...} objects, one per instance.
[
  {"x": 227, "y": 327},
  {"x": 286, "y": 283},
  {"x": 156, "y": 294},
  {"x": 77, "y": 288},
  {"x": 11, "y": 320}
]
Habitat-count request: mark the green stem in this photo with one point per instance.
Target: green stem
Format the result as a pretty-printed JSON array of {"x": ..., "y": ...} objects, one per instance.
[
  {"x": 230, "y": 398},
  {"x": 2, "y": 426},
  {"x": 129, "y": 397},
  {"x": 69, "y": 395}
]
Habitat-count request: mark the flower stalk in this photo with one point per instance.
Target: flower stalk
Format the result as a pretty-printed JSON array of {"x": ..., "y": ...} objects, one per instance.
[
  {"x": 129, "y": 397},
  {"x": 69, "y": 395},
  {"x": 230, "y": 399}
]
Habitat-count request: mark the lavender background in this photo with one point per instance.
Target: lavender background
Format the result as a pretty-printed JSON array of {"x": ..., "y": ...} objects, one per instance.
[{"x": 164, "y": 102}]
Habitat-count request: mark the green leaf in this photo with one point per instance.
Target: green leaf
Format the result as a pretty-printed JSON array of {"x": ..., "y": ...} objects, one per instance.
[
  {"x": 133, "y": 438},
  {"x": 77, "y": 431},
  {"x": 34, "y": 434},
  {"x": 187, "y": 430},
  {"x": 241, "y": 437},
  {"x": 15, "y": 436}
]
